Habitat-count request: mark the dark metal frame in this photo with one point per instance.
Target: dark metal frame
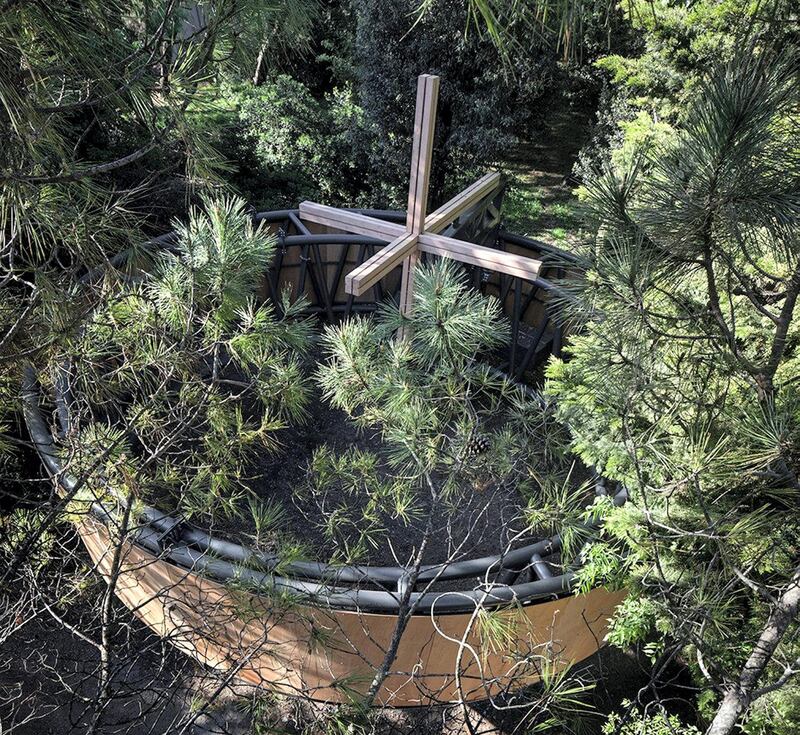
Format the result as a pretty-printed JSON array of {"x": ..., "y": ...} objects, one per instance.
[{"x": 522, "y": 575}]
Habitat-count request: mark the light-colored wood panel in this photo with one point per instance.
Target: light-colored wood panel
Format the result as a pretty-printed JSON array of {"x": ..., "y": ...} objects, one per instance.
[
  {"x": 329, "y": 654},
  {"x": 362, "y": 278},
  {"x": 489, "y": 258},
  {"x": 449, "y": 212},
  {"x": 353, "y": 222},
  {"x": 421, "y": 152}
]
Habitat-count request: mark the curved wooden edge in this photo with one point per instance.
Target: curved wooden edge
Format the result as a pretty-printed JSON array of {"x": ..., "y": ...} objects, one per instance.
[{"x": 332, "y": 655}]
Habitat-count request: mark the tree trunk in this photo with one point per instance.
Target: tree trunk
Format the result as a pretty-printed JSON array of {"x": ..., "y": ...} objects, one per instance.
[
  {"x": 404, "y": 613},
  {"x": 739, "y": 696},
  {"x": 105, "y": 673},
  {"x": 259, "y": 65}
]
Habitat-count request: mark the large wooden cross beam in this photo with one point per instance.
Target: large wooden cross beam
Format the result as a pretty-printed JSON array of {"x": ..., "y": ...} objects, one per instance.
[{"x": 422, "y": 231}]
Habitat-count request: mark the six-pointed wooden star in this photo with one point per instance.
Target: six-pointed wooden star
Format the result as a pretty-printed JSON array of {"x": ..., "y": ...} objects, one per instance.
[{"x": 422, "y": 231}]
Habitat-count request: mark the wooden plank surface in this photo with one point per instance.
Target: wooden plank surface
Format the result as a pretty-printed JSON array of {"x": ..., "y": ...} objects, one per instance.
[
  {"x": 353, "y": 222},
  {"x": 362, "y": 278},
  {"x": 328, "y": 654},
  {"x": 421, "y": 152},
  {"x": 520, "y": 266}
]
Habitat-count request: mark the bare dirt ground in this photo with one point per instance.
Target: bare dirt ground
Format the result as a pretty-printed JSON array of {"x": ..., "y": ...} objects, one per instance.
[{"x": 477, "y": 523}]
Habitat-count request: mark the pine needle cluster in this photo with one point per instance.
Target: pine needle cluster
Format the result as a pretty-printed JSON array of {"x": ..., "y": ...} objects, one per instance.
[
  {"x": 682, "y": 382},
  {"x": 183, "y": 373},
  {"x": 447, "y": 424}
]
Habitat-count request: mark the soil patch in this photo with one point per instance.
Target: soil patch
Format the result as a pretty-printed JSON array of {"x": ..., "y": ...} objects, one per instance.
[{"x": 480, "y": 522}]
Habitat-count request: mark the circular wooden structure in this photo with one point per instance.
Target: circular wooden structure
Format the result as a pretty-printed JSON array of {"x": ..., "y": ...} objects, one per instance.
[{"x": 310, "y": 628}]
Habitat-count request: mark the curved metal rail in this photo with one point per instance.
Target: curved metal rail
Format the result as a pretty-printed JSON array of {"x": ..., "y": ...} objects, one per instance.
[{"x": 522, "y": 575}]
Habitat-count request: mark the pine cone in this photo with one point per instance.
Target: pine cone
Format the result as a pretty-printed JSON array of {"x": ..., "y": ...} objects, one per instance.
[{"x": 478, "y": 444}]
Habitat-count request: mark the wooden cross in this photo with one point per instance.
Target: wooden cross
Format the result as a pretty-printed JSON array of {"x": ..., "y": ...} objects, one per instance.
[{"x": 421, "y": 233}]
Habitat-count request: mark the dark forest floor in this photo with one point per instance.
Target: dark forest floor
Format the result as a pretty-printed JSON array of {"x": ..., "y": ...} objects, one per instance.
[{"x": 541, "y": 201}]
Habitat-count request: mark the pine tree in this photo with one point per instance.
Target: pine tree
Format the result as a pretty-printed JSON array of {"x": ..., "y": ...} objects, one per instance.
[
  {"x": 450, "y": 427},
  {"x": 682, "y": 384},
  {"x": 183, "y": 374}
]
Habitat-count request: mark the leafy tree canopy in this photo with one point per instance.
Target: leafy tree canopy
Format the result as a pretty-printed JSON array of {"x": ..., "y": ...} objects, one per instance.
[{"x": 683, "y": 382}]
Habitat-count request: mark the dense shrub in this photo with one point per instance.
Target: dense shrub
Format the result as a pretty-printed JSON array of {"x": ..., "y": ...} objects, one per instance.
[
  {"x": 180, "y": 375},
  {"x": 338, "y": 127},
  {"x": 649, "y": 89},
  {"x": 313, "y": 144}
]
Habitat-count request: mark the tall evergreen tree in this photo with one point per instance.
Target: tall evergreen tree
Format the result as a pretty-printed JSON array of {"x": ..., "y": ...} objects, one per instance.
[
  {"x": 481, "y": 107},
  {"x": 683, "y": 385}
]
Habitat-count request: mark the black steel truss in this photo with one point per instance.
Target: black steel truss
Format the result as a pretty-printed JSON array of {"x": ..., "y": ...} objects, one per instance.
[{"x": 522, "y": 575}]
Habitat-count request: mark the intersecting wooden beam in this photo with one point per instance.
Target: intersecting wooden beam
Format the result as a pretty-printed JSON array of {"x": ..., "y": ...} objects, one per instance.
[
  {"x": 421, "y": 153},
  {"x": 435, "y": 222},
  {"x": 353, "y": 222},
  {"x": 521, "y": 266},
  {"x": 384, "y": 261},
  {"x": 362, "y": 278},
  {"x": 463, "y": 202},
  {"x": 421, "y": 232}
]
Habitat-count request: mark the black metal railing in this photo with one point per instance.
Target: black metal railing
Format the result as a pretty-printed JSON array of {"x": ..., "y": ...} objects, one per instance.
[{"x": 523, "y": 575}]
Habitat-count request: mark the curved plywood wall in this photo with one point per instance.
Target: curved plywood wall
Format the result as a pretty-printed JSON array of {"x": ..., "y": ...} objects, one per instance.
[{"x": 333, "y": 654}]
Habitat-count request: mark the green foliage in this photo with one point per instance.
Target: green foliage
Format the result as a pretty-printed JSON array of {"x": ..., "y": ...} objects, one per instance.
[
  {"x": 429, "y": 395},
  {"x": 653, "y": 85},
  {"x": 222, "y": 259},
  {"x": 637, "y": 722},
  {"x": 15, "y": 528},
  {"x": 317, "y": 145},
  {"x": 561, "y": 702},
  {"x": 346, "y": 138},
  {"x": 94, "y": 104},
  {"x": 350, "y": 719},
  {"x": 634, "y": 623},
  {"x": 481, "y": 107},
  {"x": 573, "y": 28},
  {"x": 449, "y": 325},
  {"x": 254, "y": 30},
  {"x": 285, "y": 125},
  {"x": 680, "y": 43},
  {"x": 776, "y": 713},
  {"x": 352, "y": 500},
  {"x": 262, "y": 708},
  {"x": 102, "y": 108},
  {"x": 681, "y": 383},
  {"x": 522, "y": 208},
  {"x": 267, "y": 518},
  {"x": 499, "y": 629},
  {"x": 183, "y": 374}
]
